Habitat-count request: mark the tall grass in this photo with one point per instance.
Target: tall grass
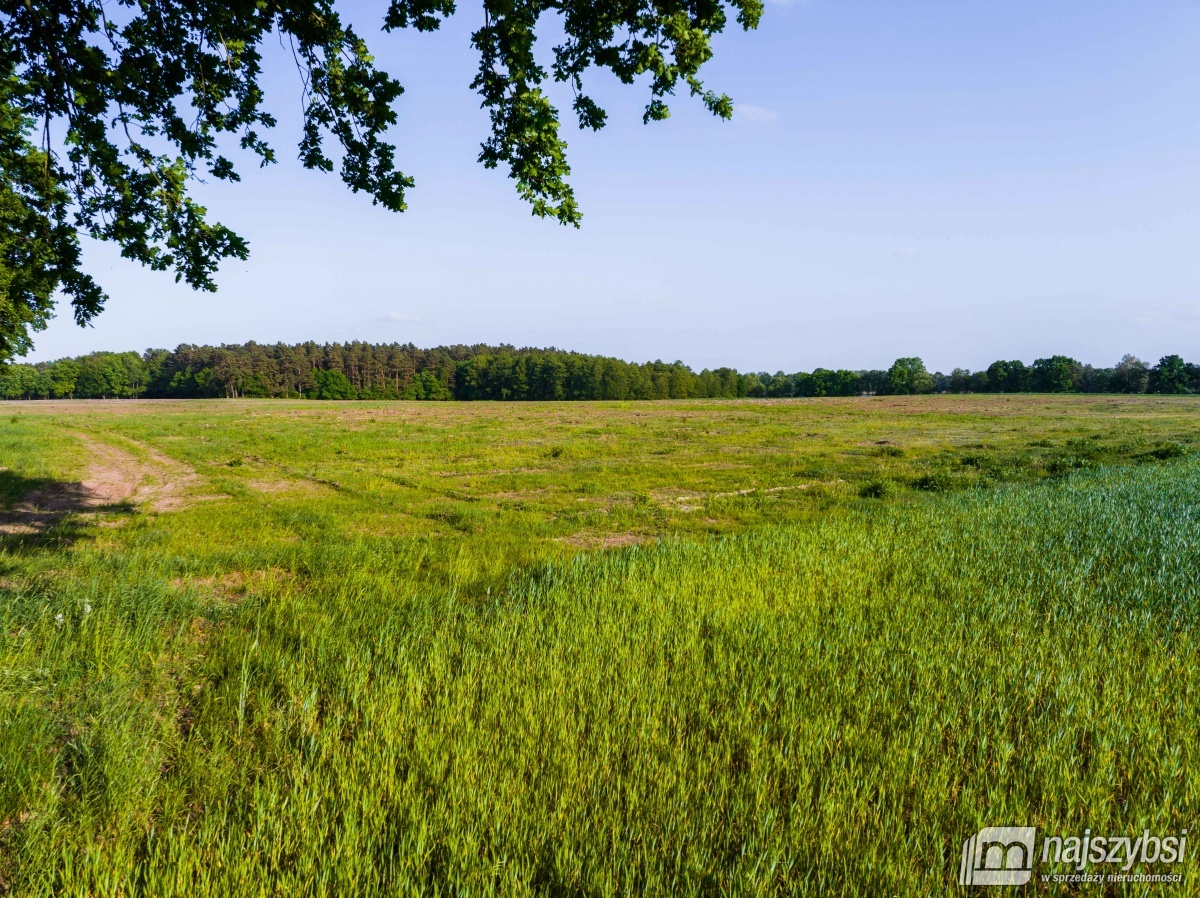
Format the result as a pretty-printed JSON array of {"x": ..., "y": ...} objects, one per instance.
[{"x": 826, "y": 708}]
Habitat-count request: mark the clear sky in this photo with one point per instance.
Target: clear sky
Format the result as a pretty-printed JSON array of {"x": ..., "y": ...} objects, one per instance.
[{"x": 958, "y": 181}]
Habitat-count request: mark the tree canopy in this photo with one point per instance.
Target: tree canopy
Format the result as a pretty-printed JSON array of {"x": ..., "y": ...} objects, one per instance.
[
  {"x": 109, "y": 112},
  {"x": 908, "y": 376},
  {"x": 404, "y": 371}
]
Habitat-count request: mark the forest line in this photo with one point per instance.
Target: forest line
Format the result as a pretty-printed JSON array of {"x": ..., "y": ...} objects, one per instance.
[{"x": 361, "y": 370}]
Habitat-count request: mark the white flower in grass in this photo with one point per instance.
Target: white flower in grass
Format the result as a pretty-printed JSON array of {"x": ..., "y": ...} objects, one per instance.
[{"x": 58, "y": 619}]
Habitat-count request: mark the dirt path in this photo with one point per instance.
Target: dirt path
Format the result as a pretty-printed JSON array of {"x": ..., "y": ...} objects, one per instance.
[
  {"x": 151, "y": 479},
  {"x": 114, "y": 478}
]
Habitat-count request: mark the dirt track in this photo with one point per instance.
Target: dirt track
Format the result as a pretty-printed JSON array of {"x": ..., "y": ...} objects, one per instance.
[{"x": 114, "y": 478}]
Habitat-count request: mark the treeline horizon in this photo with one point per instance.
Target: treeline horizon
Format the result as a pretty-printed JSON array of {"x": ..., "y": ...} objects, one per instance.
[{"x": 361, "y": 370}]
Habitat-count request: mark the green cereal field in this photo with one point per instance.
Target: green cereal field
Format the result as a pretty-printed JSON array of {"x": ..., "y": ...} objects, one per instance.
[{"x": 728, "y": 647}]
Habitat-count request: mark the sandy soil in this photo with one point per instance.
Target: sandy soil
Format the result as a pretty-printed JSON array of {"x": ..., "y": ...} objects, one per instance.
[{"x": 114, "y": 478}]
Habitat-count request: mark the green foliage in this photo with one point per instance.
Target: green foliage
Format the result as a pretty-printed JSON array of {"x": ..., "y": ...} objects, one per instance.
[
  {"x": 937, "y": 481},
  {"x": 39, "y": 247},
  {"x": 110, "y": 375},
  {"x": 150, "y": 100},
  {"x": 1057, "y": 374},
  {"x": 1008, "y": 377},
  {"x": 101, "y": 375},
  {"x": 426, "y": 385},
  {"x": 1131, "y": 375},
  {"x": 878, "y": 489},
  {"x": 1061, "y": 374},
  {"x": 666, "y": 43},
  {"x": 333, "y": 385},
  {"x": 962, "y": 380},
  {"x": 1170, "y": 375},
  {"x": 909, "y": 377},
  {"x": 365, "y": 371},
  {"x": 397, "y": 371},
  {"x": 1165, "y": 452},
  {"x": 823, "y": 382}
]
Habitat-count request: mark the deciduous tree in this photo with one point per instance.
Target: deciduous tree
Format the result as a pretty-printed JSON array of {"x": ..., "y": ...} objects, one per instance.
[
  {"x": 908, "y": 376},
  {"x": 1057, "y": 374},
  {"x": 1170, "y": 375},
  {"x": 110, "y": 111}
]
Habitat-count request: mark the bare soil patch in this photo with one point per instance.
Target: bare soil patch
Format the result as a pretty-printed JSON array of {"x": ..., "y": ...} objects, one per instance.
[
  {"x": 684, "y": 500},
  {"x": 114, "y": 479},
  {"x": 590, "y": 540},
  {"x": 233, "y": 586},
  {"x": 516, "y": 494},
  {"x": 285, "y": 487}
]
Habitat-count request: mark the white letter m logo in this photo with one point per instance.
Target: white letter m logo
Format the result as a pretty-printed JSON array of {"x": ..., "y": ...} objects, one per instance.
[{"x": 998, "y": 856}]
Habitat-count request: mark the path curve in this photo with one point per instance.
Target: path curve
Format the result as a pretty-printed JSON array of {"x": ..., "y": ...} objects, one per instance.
[{"x": 114, "y": 477}]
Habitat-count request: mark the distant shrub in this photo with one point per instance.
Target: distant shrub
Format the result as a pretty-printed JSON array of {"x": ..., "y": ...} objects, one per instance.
[
  {"x": 1062, "y": 464},
  {"x": 1167, "y": 451},
  {"x": 878, "y": 489},
  {"x": 936, "y": 482},
  {"x": 890, "y": 452},
  {"x": 334, "y": 385}
]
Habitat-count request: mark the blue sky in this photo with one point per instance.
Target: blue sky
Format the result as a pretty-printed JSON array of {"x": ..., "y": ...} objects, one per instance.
[{"x": 959, "y": 181}]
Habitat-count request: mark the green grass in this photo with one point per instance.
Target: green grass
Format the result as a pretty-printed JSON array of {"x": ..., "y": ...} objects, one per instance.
[
  {"x": 374, "y": 675},
  {"x": 489, "y": 487}
]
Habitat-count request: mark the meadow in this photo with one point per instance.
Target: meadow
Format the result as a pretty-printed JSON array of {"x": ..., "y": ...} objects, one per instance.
[{"x": 697, "y": 648}]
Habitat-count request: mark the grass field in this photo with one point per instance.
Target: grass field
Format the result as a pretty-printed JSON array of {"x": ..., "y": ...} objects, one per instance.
[{"x": 790, "y": 647}]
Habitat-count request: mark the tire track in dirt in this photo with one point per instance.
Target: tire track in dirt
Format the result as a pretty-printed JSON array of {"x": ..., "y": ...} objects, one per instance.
[
  {"x": 114, "y": 478},
  {"x": 152, "y": 479}
]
